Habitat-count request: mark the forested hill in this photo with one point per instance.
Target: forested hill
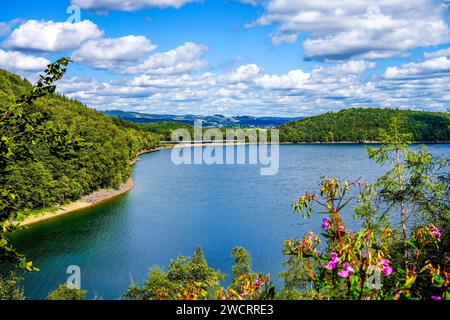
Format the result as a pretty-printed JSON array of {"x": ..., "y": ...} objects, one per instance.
[
  {"x": 47, "y": 180},
  {"x": 363, "y": 125}
]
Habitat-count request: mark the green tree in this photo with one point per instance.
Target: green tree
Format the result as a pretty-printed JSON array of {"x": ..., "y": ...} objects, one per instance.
[
  {"x": 416, "y": 184},
  {"x": 392, "y": 185},
  {"x": 330, "y": 137},
  {"x": 65, "y": 292},
  {"x": 22, "y": 128},
  {"x": 242, "y": 263},
  {"x": 187, "y": 277},
  {"x": 10, "y": 288}
]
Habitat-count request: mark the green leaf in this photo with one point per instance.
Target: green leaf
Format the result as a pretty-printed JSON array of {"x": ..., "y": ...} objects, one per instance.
[{"x": 409, "y": 282}]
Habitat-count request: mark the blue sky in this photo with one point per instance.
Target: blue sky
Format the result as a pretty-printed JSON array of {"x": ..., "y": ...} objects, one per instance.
[{"x": 236, "y": 57}]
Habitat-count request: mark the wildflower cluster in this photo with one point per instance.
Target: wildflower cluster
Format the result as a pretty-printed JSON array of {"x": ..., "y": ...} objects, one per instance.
[{"x": 352, "y": 261}]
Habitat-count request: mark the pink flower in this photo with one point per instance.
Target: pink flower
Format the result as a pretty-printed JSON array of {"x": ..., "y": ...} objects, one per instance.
[
  {"x": 334, "y": 261},
  {"x": 436, "y": 298},
  {"x": 436, "y": 232},
  {"x": 387, "y": 269},
  {"x": 331, "y": 265},
  {"x": 325, "y": 223},
  {"x": 335, "y": 257},
  {"x": 344, "y": 273}
]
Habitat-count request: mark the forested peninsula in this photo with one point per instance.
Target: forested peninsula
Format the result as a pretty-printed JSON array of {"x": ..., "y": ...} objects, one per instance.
[
  {"x": 364, "y": 125},
  {"x": 47, "y": 180}
]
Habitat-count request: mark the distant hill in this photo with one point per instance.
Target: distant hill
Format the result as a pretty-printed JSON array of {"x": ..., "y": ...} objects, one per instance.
[
  {"x": 363, "y": 124},
  {"x": 208, "y": 121}
]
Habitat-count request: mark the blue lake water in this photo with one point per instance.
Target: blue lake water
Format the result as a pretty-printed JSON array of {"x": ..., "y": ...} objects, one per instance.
[{"x": 172, "y": 209}]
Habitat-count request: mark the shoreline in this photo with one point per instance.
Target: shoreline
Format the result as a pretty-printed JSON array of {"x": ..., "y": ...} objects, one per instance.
[
  {"x": 99, "y": 196},
  {"x": 88, "y": 201}
]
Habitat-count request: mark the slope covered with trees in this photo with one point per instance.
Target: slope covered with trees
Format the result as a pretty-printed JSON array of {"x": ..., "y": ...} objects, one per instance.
[
  {"x": 165, "y": 129},
  {"x": 46, "y": 179},
  {"x": 359, "y": 125}
]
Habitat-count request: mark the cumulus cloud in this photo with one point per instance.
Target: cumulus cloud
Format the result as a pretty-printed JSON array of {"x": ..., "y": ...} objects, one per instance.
[
  {"x": 247, "y": 87},
  {"x": 242, "y": 73},
  {"x": 18, "y": 62},
  {"x": 438, "y": 53},
  {"x": 113, "y": 53},
  {"x": 128, "y": 5},
  {"x": 430, "y": 67},
  {"x": 183, "y": 59},
  {"x": 340, "y": 30},
  {"x": 349, "y": 67},
  {"x": 250, "y": 89},
  {"x": 49, "y": 36},
  {"x": 293, "y": 79}
]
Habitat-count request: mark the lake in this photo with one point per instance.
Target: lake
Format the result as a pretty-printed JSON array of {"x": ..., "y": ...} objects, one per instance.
[{"x": 172, "y": 209}]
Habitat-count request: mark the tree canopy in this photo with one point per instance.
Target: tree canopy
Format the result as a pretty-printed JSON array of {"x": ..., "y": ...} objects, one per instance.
[{"x": 361, "y": 125}]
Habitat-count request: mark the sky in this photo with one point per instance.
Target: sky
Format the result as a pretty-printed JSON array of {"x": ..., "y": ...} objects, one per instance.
[{"x": 236, "y": 57}]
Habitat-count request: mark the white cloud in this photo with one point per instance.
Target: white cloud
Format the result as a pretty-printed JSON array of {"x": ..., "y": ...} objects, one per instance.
[
  {"x": 439, "y": 53},
  {"x": 242, "y": 74},
  {"x": 431, "y": 67},
  {"x": 293, "y": 79},
  {"x": 18, "y": 62},
  {"x": 339, "y": 30},
  {"x": 4, "y": 28},
  {"x": 128, "y": 5},
  {"x": 349, "y": 67},
  {"x": 183, "y": 59},
  {"x": 113, "y": 53},
  {"x": 174, "y": 81},
  {"x": 246, "y": 89},
  {"x": 52, "y": 36}
]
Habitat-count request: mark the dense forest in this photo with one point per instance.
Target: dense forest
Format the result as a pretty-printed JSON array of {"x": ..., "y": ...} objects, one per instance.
[
  {"x": 47, "y": 179},
  {"x": 361, "y": 125},
  {"x": 164, "y": 129}
]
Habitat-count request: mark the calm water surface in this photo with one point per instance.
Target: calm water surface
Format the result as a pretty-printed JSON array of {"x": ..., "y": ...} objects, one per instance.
[{"x": 172, "y": 209}]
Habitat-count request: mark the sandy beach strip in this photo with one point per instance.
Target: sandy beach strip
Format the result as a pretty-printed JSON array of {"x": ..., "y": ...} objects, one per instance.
[{"x": 90, "y": 200}]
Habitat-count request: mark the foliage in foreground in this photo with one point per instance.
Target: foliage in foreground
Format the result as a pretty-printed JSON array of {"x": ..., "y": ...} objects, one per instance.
[
  {"x": 190, "y": 278},
  {"x": 10, "y": 288},
  {"x": 23, "y": 130},
  {"x": 65, "y": 292}
]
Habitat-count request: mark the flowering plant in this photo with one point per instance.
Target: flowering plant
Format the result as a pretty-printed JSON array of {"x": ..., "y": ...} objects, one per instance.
[{"x": 360, "y": 264}]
